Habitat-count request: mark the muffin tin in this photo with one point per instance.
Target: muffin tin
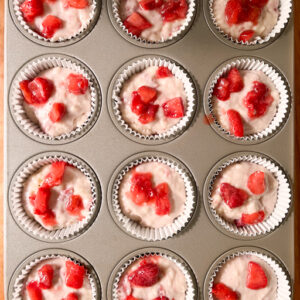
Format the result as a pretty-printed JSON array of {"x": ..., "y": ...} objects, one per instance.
[{"x": 104, "y": 147}]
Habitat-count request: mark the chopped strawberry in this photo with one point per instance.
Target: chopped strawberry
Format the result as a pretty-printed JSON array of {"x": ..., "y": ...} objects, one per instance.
[
  {"x": 34, "y": 292},
  {"x": 147, "y": 93},
  {"x": 258, "y": 3},
  {"x": 56, "y": 174},
  {"x": 57, "y": 112},
  {"x": 137, "y": 105},
  {"x": 223, "y": 292},
  {"x": 137, "y": 22},
  {"x": 173, "y": 108},
  {"x": 74, "y": 275},
  {"x": 163, "y": 72},
  {"x": 149, "y": 115},
  {"x": 130, "y": 297},
  {"x": 49, "y": 218},
  {"x": 26, "y": 91},
  {"x": 45, "y": 276},
  {"x": 233, "y": 11},
  {"x": 221, "y": 90},
  {"x": 251, "y": 219},
  {"x": 236, "y": 123},
  {"x": 260, "y": 88},
  {"x": 132, "y": 29},
  {"x": 150, "y": 4},
  {"x": 246, "y": 36},
  {"x": 77, "y": 84},
  {"x": 162, "y": 202},
  {"x": 79, "y": 4},
  {"x": 41, "y": 90},
  {"x": 161, "y": 298},
  {"x": 251, "y": 14},
  {"x": 50, "y": 25},
  {"x": 236, "y": 82},
  {"x": 71, "y": 296},
  {"x": 32, "y": 9},
  {"x": 256, "y": 182},
  {"x": 172, "y": 10},
  {"x": 233, "y": 196},
  {"x": 41, "y": 202},
  {"x": 74, "y": 205},
  {"x": 256, "y": 277},
  {"x": 182, "y": 9},
  {"x": 141, "y": 189},
  {"x": 145, "y": 276}
]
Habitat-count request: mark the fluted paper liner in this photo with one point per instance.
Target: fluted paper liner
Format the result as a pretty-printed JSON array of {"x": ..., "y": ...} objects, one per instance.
[
  {"x": 283, "y": 109},
  {"x": 282, "y": 206},
  {"x": 140, "y": 65},
  {"x": 30, "y": 71},
  {"x": 161, "y": 233},
  {"x": 30, "y": 224}
]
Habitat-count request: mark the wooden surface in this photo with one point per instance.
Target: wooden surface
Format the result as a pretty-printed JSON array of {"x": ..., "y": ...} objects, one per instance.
[{"x": 297, "y": 148}]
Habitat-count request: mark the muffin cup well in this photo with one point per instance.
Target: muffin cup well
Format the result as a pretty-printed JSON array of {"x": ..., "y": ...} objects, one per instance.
[
  {"x": 31, "y": 70},
  {"x": 284, "y": 288},
  {"x": 30, "y": 225},
  {"x": 281, "y": 209},
  {"x": 134, "y": 228},
  {"x": 285, "y": 11},
  {"x": 138, "y": 65},
  {"x": 280, "y": 82}
]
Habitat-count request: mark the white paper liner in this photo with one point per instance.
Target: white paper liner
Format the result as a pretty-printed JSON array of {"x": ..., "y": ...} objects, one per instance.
[
  {"x": 283, "y": 283},
  {"x": 95, "y": 5},
  {"x": 18, "y": 287},
  {"x": 278, "y": 80},
  {"x": 30, "y": 71},
  {"x": 176, "y": 34},
  {"x": 30, "y": 224},
  {"x": 191, "y": 293},
  {"x": 285, "y": 10},
  {"x": 178, "y": 72},
  {"x": 161, "y": 233},
  {"x": 282, "y": 206}
]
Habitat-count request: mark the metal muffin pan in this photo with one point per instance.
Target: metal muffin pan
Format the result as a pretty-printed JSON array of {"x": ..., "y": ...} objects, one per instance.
[{"x": 104, "y": 147}]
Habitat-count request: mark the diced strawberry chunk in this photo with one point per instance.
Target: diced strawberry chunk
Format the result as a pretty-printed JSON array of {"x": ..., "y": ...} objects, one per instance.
[
  {"x": 233, "y": 11},
  {"x": 149, "y": 115},
  {"x": 131, "y": 29},
  {"x": 49, "y": 218},
  {"x": 258, "y": 3},
  {"x": 251, "y": 14},
  {"x": 172, "y": 10},
  {"x": 137, "y": 105},
  {"x": 56, "y": 174},
  {"x": 233, "y": 196},
  {"x": 236, "y": 82},
  {"x": 251, "y": 219},
  {"x": 33, "y": 290},
  {"x": 79, "y": 4},
  {"x": 41, "y": 90},
  {"x": 260, "y": 88},
  {"x": 45, "y": 276},
  {"x": 246, "y": 36},
  {"x": 71, "y": 296},
  {"x": 221, "y": 90},
  {"x": 77, "y": 84},
  {"x": 57, "y": 112},
  {"x": 26, "y": 91},
  {"x": 150, "y": 4},
  {"x": 163, "y": 72},
  {"x": 145, "y": 276},
  {"x": 50, "y": 25},
  {"x": 41, "y": 202},
  {"x": 138, "y": 21},
  {"x": 256, "y": 277},
  {"x": 236, "y": 123},
  {"x": 162, "y": 202},
  {"x": 173, "y": 108},
  {"x": 130, "y": 297},
  {"x": 74, "y": 205},
  {"x": 74, "y": 275},
  {"x": 222, "y": 292},
  {"x": 32, "y": 9},
  {"x": 256, "y": 183},
  {"x": 147, "y": 93},
  {"x": 161, "y": 298}
]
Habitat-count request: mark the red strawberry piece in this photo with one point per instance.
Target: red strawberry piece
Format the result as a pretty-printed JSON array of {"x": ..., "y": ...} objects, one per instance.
[
  {"x": 168, "y": 10},
  {"x": 147, "y": 93},
  {"x": 141, "y": 189},
  {"x": 252, "y": 14},
  {"x": 162, "y": 202},
  {"x": 34, "y": 291},
  {"x": 138, "y": 21},
  {"x": 71, "y": 296},
  {"x": 77, "y": 84},
  {"x": 137, "y": 105},
  {"x": 149, "y": 115},
  {"x": 252, "y": 219},
  {"x": 150, "y": 4},
  {"x": 57, "y": 112},
  {"x": 233, "y": 196},
  {"x": 222, "y": 292},
  {"x": 32, "y": 9},
  {"x": 74, "y": 205},
  {"x": 130, "y": 297},
  {"x": 221, "y": 90},
  {"x": 236, "y": 123},
  {"x": 236, "y": 82},
  {"x": 246, "y": 36},
  {"x": 50, "y": 25},
  {"x": 258, "y": 3},
  {"x": 256, "y": 277},
  {"x": 260, "y": 88},
  {"x": 45, "y": 276},
  {"x": 145, "y": 276},
  {"x": 173, "y": 108},
  {"x": 56, "y": 174},
  {"x": 49, "y": 218},
  {"x": 163, "y": 72},
  {"x": 79, "y": 4},
  {"x": 26, "y": 91},
  {"x": 131, "y": 29},
  {"x": 41, "y": 90},
  {"x": 233, "y": 11},
  {"x": 41, "y": 202},
  {"x": 256, "y": 182},
  {"x": 74, "y": 275},
  {"x": 161, "y": 298},
  {"x": 182, "y": 9}
]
